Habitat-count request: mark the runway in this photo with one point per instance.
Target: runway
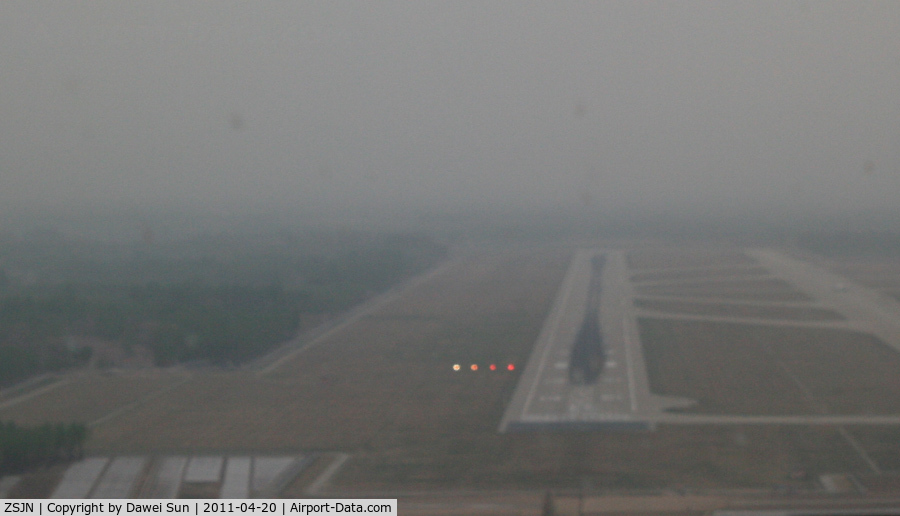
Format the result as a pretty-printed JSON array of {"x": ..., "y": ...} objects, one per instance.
[{"x": 621, "y": 396}]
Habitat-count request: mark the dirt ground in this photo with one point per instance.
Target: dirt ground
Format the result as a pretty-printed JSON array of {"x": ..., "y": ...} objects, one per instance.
[
  {"x": 86, "y": 397},
  {"x": 675, "y": 258},
  {"x": 736, "y": 294},
  {"x": 383, "y": 390},
  {"x": 723, "y": 272},
  {"x": 754, "y": 369},
  {"x": 796, "y": 313},
  {"x": 385, "y": 380},
  {"x": 696, "y": 456}
]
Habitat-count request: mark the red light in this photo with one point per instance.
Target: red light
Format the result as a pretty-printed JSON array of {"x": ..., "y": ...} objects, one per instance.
[
  {"x": 511, "y": 367},
  {"x": 493, "y": 367}
]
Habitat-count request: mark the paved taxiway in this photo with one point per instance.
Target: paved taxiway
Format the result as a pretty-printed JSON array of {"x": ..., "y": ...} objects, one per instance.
[{"x": 869, "y": 310}]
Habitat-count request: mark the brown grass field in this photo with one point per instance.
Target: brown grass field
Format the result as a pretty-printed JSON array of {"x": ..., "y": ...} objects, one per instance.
[
  {"x": 726, "y": 287},
  {"x": 881, "y": 443},
  {"x": 799, "y": 313},
  {"x": 753, "y": 369},
  {"x": 737, "y": 294},
  {"x": 878, "y": 272},
  {"x": 877, "y": 282},
  {"x": 727, "y": 272},
  {"x": 873, "y": 266},
  {"x": 384, "y": 380},
  {"x": 382, "y": 390},
  {"x": 87, "y": 397},
  {"x": 705, "y": 456},
  {"x": 730, "y": 283},
  {"x": 686, "y": 258}
]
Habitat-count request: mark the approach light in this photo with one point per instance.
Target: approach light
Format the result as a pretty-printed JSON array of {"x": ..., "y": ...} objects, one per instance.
[
  {"x": 474, "y": 367},
  {"x": 456, "y": 367},
  {"x": 511, "y": 367},
  {"x": 493, "y": 367}
]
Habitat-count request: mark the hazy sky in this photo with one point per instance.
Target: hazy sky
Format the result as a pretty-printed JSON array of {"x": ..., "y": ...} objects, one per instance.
[{"x": 677, "y": 105}]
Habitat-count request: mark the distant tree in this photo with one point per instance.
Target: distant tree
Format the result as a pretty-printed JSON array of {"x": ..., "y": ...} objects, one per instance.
[
  {"x": 25, "y": 448},
  {"x": 83, "y": 355}
]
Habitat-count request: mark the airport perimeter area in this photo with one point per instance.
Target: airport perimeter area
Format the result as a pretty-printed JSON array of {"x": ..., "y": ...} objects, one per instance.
[
  {"x": 667, "y": 311},
  {"x": 725, "y": 369}
]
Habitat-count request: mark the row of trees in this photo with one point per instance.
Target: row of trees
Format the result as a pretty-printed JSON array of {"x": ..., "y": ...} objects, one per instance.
[
  {"x": 220, "y": 302},
  {"x": 32, "y": 332},
  {"x": 24, "y": 448},
  {"x": 218, "y": 324},
  {"x": 190, "y": 321}
]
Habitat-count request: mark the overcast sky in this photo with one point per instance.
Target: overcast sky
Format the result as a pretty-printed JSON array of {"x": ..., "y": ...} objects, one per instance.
[{"x": 668, "y": 106}]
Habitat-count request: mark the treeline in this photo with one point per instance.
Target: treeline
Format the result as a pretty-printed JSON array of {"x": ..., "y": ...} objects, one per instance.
[
  {"x": 222, "y": 259},
  {"x": 31, "y": 335},
  {"x": 24, "y": 448},
  {"x": 238, "y": 302},
  {"x": 219, "y": 325}
]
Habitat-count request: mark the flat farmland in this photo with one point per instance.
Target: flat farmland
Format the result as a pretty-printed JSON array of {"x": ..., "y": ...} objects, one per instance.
[
  {"x": 863, "y": 267},
  {"x": 721, "y": 309},
  {"x": 383, "y": 391},
  {"x": 877, "y": 282},
  {"x": 726, "y": 287},
  {"x": 881, "y": 443},
  {"x": 696, "y": 456},
  {"x": 738, "y": 293},
  {"x": 383, "y": 385},
  {"x": 732, "y": 283},
  {"x": 723, "y": 272},
  {"x": 686, "y": 258},
  {"x": 754, "y": 369},
  {"x": 876, "y": 272},
  {"x": 87, "y": 397}
]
